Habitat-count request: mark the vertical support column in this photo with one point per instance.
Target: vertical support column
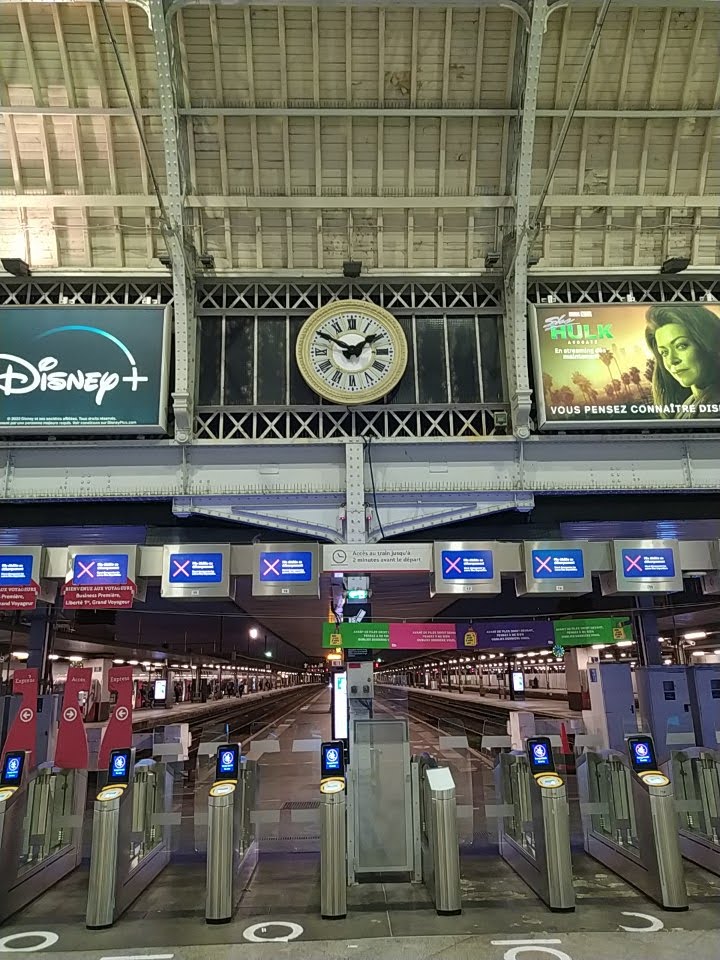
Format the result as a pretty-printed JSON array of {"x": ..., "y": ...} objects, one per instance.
[
  {"x": 355, "y": 523},
  {"x": 576, "y": 661},
  {"x": 516, "y": 246},
  {"x": 181, "y": 252},
  {"x": 39, "y": 639},
  {"x": 646, "y": 631}
]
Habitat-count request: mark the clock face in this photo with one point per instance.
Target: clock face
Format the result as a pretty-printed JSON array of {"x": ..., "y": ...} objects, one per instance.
[{"x": 351, "y": 352}]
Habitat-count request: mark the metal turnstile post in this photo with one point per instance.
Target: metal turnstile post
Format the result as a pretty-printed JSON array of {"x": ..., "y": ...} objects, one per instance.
[
  {"x": 442, "y": 841},
  {"x": 219, "y": 904},
  {"x": 333, "y": 851}
]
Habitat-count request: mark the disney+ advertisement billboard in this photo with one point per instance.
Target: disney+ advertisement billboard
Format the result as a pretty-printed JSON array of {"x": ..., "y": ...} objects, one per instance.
[
  {"x": 84, "y": 369},
  {"x": 626, "y": 365}
]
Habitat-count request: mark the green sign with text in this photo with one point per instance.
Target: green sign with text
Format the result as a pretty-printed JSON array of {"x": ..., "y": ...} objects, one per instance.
[
  {"x": 583, "y": 633},
  {"x": 354, "y": 636}
]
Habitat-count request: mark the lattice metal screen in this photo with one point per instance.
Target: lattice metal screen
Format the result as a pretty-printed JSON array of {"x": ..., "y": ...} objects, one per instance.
[{"x": 453, "y": 385}]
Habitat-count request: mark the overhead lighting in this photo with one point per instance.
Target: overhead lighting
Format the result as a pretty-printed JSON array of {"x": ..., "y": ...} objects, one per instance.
[
  {"x": 268, "y": 653},
  {"x": 675, "y": 265},
  {"x": 53, "y": 656},
  {"x": 133, "y": 663},
  {"x": 623, "y": 655},
  {"x": 146, "y": 663},
  {"x": 119, "y": 661},
  {"x": 599, "y": 646},
  {"x": 352, "y": 269},
  {"x": 253, "y": 633},
  {"x": 624, "y": 643},
  {"x": 695, "y": 635},
  {"x": 75, "y": 658},
  {"x": 20, "y": 655},
  {"x": 16, "y": 267},
  {"x": 667, "y": 661},
  {"x": 698, "y": 653}
]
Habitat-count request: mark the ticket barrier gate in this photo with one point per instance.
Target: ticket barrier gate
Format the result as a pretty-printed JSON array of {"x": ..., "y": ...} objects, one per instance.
[
  {"x": 333, "y": 831},
  {"x": 438, "y": 829},
  {"x": 231, "y": 850},
  {"x": 41, "y": 817},
  {"x": 630, "y": 821},
  {"x": 534, "y": 822},
  {"x": 695, "y": 774},
  {"x": 130, "y": 835}
]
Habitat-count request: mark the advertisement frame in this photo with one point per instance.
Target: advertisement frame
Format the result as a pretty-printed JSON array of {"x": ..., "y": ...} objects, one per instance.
[
  {"x": 161, "y": 427},
  {"x": 546, "y": 424}
]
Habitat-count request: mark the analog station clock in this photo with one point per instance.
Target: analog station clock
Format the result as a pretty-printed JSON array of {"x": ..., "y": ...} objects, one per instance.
[{"x": 351, "y": 352}]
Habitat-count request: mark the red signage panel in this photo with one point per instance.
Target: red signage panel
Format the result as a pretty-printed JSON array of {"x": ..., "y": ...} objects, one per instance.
[
  {"x": 71, "y": 752},
  {"x": 23, "y": 730},
  {"x": 118, "y": 733}
]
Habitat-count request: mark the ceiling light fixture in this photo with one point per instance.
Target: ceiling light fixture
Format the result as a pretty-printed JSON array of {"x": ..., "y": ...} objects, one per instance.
[
  {"x": 695, "y": 635},
  {"x": 16, "y": 267}
]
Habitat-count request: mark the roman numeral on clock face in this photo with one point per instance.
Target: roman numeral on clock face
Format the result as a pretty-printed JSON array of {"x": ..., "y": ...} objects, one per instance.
[
  {"x": 324, "y": 366},
  {"x": 380, "y": 365},
  {"x": 352, "y": 323}
]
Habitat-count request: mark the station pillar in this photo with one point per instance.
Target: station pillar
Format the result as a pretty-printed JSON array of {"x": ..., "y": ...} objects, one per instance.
[
  {"x": 40, "y": 641},
  {"x": 646, "y": 631},
  {"x": 576, "y": 661}
]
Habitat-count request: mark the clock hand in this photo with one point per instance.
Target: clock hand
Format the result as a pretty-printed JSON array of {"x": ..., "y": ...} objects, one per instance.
[{"x": 340, "y": 343}]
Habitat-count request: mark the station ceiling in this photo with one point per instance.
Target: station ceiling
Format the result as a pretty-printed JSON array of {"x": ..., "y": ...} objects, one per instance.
[{"x": 310, "y": 134}]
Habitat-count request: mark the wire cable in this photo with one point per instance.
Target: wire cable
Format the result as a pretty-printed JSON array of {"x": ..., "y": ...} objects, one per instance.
[{"x": 374, "y": 490}]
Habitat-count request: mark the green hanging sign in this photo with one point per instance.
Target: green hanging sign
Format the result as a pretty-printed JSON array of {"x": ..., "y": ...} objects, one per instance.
[
  {"x": 355, "y": 636},
  {"x": 585, "y": 633}
]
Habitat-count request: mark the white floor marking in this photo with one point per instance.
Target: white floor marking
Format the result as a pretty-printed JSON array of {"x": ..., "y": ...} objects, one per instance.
[
  {"x": 49, "y": 939},
  {"x": 251, "y": 933},
  {"x": 653, "y": 923}
]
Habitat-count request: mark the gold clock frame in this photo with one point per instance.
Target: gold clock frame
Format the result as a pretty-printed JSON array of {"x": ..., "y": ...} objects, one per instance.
[{"x": 335, "y": 309}]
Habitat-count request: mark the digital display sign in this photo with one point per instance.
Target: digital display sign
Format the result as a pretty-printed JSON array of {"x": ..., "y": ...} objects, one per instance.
[
  {"x": 647, "y": 563},
  {"x": 16, "y": 571},
  {"x": 227, "y": 762},
  {"x": 557, "y": 564},
  {"x": 540, "y": 756},
  {"x": 84, "y": 369},
  {"x": 649, "y": 365},
  {"x": 291, "y": 567},
  {"x": 107, "y": 568},
  {"x": 195, "y": 568},
  {"x": 12, "y": 769},
  {"x": 119, "y": 767},
  {"x": 642, "y": 753},
  {"x": 332, "y": 759},
  {"x": 467, "y": 565},
  {"x": 160, "y": 690}
]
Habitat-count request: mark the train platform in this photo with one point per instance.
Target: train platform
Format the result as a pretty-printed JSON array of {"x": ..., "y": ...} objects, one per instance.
[
  {"x": 558, "y": 709},
  {"x": 281, "y": 904}
]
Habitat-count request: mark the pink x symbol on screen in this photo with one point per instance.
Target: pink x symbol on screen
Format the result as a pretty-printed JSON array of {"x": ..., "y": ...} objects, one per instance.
[
  {"x": 453, "y": 566},
  {"x": 271, "y": 567},
  {"x": 85, "y": 569},
  {"x": 633, "y": 563},
  {"x": 543, "y": 565},
  {"x": 181, "y": 569}
]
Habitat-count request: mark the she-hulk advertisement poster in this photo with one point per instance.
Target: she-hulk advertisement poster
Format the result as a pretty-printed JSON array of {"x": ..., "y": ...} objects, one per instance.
[{"x": 627, "y": 364}]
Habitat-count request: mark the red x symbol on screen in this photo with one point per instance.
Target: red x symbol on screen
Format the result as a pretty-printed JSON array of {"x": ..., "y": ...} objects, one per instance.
[
  {"x": 452, "y": 565},
  {"x": 633, "y": 563},
  {"x": 181, "y": 569},
  {"x": 543, "y": 565},
  {"x": 271, "y": 567},
  {"x": 85, "y": 569}
]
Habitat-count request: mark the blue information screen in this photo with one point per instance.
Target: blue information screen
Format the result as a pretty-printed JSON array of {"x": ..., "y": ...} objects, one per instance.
[
  {"x": 467, "y": 564},
  {"x": 290, "y": 567},
  {"x": 557, "y": 564},
  {"x": 16, "y": 571},
  {"x": 12, "y": 769},
  {"x": 648, "y": 563},
  {"x": 196, "y": 568},
  {"x": 540, "y": 755},
  {"x": 642, "y": 754},
  {"x": 93, "y": 568},
  {"x": 332, "y": 759},
  {"x": 226, "y": 765},
  {"x": 119, "y": 771}
]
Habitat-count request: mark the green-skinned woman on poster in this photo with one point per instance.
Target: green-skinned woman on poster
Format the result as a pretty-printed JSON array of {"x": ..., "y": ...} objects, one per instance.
[{"x": 685, "y": 341}]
